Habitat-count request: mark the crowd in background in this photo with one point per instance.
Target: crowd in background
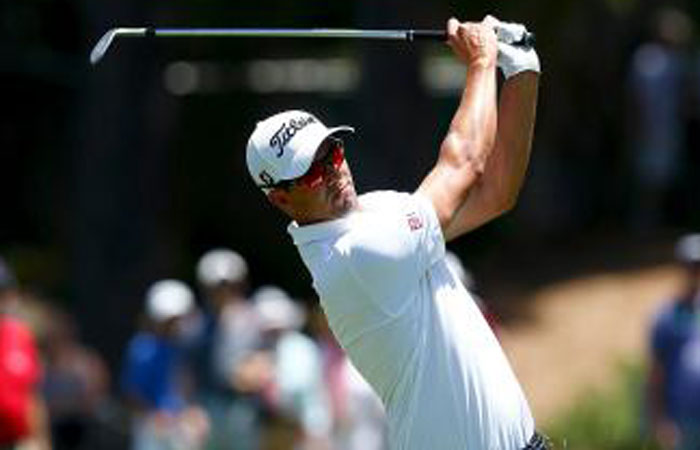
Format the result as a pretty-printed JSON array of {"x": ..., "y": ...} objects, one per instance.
[
  {"x": 220, "y": 367},
  {"x": 211, "y": 367},
  {"x": 663, "y": 111}
]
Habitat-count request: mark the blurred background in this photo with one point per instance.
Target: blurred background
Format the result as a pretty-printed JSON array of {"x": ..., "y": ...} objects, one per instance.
[{"x": 118, "y": 175}]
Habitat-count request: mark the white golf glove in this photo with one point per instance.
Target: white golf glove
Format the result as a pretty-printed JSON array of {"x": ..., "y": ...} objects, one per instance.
[
  {"x": 510, "y": 32},
  {"x": 512, "y": 59}
]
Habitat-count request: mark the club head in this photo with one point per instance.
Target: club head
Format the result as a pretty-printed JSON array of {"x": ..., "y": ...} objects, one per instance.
[{"x": 106, "y": 41}]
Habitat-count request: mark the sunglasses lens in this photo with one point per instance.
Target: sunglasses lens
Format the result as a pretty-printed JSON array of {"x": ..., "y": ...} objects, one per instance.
[
  {"x": 338, "y": 157},
  {"x": 315, "y": 176}
]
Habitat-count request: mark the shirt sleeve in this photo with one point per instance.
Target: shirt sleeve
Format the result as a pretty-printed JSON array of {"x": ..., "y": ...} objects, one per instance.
[
  {"x": 134, "y": 376},
  {"x": 430, "y": 245}
]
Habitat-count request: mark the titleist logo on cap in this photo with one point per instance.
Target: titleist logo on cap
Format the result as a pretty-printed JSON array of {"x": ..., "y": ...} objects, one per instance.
[{"x": 287, "y": 131}]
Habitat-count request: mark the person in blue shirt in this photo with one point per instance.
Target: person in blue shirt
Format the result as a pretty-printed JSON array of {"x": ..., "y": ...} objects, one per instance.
[
  {"x": 225, "y": 353},
  {"x": 153, "y": 377},
  {"x": 674, "y": 378}
]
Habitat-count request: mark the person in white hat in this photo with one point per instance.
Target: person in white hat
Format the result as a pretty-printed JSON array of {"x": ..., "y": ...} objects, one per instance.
[
  {"x": 674, "y": 372},
  {"x": 297, "y": 391},
  {"x": 224, "y": 358},
  {"x": 378, "y": 260},
  {"x": 153, "y": 374}
]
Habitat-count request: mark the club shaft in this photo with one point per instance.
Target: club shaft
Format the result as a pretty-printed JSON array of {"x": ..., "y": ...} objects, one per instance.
[
  {"x": 405, "y": 35},
  {"x": 298, "y": 33}
]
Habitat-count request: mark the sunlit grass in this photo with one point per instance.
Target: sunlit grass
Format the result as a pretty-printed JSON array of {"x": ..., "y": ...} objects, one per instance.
[{"x": 609, "y": 419}]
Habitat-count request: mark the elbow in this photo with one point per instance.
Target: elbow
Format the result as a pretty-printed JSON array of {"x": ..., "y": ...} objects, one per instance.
[
  {"x": 509, "y": 203},
  {"x": 465, "y": 154},
  {"x": 506, "y": 192},
  {"x": 505, "y": 203},
  {"x": 501, "y": 209}
]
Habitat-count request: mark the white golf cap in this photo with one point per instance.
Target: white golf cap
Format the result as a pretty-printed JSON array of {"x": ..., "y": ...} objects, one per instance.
[
  {"x": 276, "y": 309},
  {"x": 283, "y": 146},
  {"x": 221, "y": 265},
  {"x": 166, "y": 299},
  {"x": 688, "y": 249}
]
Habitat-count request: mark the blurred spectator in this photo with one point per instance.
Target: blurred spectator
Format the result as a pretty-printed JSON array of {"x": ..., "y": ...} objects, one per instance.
[
  {"x": 153, "y": 375},
  {"x": 359, "y": 419},
  {"x": 23, "y": 421},
  {"x": 366, "y": 425},
  {"x": 692, "y": 181},
  {"x": 467, "y": 279},
  {"x": 224, "y": 353},
  {"x": 674, "y": 378},
  {"x": 297, "y": 391},
  {"x": 658, "y": 86},
  {"x": 76, "y": 386}
]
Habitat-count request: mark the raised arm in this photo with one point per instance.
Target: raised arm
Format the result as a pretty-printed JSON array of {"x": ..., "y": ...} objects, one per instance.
[
  {"x": 489, "y": 187},
  {"x": 470, "y": 139},
  {"x": 497, "y": 190}
]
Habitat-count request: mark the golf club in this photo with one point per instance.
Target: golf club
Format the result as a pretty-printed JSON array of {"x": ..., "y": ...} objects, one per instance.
[{"x": 100, "y": 49}]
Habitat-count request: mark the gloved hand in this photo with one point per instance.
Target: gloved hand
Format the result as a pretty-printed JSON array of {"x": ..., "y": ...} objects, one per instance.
[
  {"x": 510, "y": 32},
  {"x": 514, "y": 59}
]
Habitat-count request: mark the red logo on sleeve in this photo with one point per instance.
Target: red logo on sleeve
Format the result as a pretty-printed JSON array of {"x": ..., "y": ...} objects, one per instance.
[{"x": 414, "y": 221}]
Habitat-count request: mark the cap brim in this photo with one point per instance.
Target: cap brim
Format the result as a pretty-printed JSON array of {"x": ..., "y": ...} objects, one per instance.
[{"x": 340, "y": 129}]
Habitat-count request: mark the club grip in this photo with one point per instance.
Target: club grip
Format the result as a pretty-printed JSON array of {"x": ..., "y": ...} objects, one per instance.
[
  {"x": 427, "y": 35},
  {"x": 528, "y": 40}
]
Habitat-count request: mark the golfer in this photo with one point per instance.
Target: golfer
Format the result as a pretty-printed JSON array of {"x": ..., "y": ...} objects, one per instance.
[{"x": 378, "y": 260}]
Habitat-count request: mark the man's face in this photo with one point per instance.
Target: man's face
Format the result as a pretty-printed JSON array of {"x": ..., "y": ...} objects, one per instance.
[
  {"x": 325, "y": 192},
  {"x": 170, "y": 328},
  {"x": 225, "y": 292}
]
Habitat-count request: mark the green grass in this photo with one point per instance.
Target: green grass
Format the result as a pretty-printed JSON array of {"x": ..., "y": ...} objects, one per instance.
[{"x": 610, "y": 419}]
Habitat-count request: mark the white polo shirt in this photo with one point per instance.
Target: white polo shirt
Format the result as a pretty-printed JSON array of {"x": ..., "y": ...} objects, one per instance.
[{"x": 412, "y": 329}]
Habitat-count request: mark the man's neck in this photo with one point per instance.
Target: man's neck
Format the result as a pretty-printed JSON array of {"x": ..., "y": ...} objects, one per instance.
[{"x": 303, "y": 221}]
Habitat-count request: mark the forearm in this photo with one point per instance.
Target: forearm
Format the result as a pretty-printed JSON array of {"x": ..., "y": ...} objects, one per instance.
[
  {"x": 472, "y": 133},
  {"x": 508, "y": 164},
  {"x": 466, "y": 147},
  {"x": 498, "y": 188},
  {"x": 39, "y": 423}
]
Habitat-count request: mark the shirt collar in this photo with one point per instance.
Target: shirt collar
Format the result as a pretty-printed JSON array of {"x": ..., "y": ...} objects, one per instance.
[{"x": 304, "y": 234}]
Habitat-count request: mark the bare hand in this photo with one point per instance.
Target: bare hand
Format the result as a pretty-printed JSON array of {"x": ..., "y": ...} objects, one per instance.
[
  {"x": 254, "y": 373},
  {"x": 474, "y": 43}
]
